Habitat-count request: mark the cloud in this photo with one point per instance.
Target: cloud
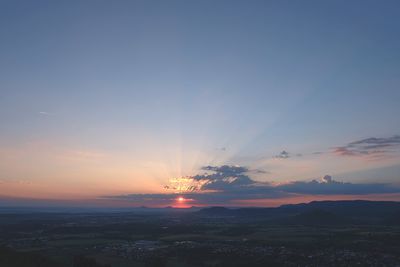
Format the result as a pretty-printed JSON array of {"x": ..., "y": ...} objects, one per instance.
[
  {"x": 219, "y": 185},
  {"x": 328, "y": 186},
  {"x": 226, "y": 169},
  {"x": 327, "y": 179},
  {"x": 15, "y": 181},
  {"x": 223, "y": 178},
  {"x": 45, "y": 113},
  {"x": 378, "y": 142},
  {"x": 283, "y": 155},
  {"x": 259, "y": 171},
  {"x": 222, "y": 185},
  {"x": 369, "y": 147}
]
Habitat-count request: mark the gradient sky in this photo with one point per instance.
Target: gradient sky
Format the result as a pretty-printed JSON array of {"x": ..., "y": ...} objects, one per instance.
[{"x": 108, "y": 99}]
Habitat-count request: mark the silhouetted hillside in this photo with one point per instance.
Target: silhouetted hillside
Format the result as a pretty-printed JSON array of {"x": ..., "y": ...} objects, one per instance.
[
  {"x": 316, "y": 212},
  {"x": 350, "y": 207}
]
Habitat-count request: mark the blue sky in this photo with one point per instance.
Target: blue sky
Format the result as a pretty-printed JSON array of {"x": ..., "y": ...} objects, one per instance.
[{"x": 103, "y": 98}]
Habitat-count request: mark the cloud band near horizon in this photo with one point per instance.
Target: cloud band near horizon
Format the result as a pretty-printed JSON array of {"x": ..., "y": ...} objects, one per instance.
[{"x": 225, "y": 184}]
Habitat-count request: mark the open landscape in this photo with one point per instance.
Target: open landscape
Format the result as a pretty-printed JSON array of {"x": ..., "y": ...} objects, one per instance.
[{"x": 338, "y": 233}]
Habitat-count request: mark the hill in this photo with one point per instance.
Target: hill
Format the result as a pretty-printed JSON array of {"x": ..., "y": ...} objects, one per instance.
[{"x": 316, "y": 212}]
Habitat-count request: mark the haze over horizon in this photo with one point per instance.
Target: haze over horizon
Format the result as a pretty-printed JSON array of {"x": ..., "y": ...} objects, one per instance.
[{"x": 198, "y": 103}]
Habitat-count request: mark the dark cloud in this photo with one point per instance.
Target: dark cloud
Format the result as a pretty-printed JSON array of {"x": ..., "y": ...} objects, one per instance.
[
  {"x": 328, "y": 186},
  {"x": 223, "y": 178},
  {"x": 378, "y": 142},
  {"x": 283, "y": 155},
  {"x": 226, "y": 169},
  {"x": 327, "y": 179},
  {"x": 221, "y": 185},
  {"x": 369, "y": 147}
]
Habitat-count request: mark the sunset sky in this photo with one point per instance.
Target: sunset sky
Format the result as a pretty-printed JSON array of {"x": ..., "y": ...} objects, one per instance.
[{"x": 194, "y": 103}]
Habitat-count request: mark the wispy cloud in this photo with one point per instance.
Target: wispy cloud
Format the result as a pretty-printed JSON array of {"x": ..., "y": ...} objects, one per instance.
[
  {"x": 15, "y": 181},
  {"x": 45, "y": 113},
  {"x": 369, "y": 147},
  {"x": 259, "y": 171},
  {"x": 283, "y": 155}
]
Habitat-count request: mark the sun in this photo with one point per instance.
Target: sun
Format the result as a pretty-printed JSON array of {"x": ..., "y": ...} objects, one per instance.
[{"x": 182, "y": 202}]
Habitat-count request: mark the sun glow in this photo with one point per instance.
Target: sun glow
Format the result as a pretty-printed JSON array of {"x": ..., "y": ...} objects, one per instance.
[{"x": 182, "y": 202}]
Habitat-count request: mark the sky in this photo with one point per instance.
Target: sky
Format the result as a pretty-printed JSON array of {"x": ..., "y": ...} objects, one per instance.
[{"x": 234, "y": 103}]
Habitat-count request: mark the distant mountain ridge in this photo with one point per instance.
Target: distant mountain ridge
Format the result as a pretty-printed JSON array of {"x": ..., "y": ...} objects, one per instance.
[{"x": 316, "y": 212}]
